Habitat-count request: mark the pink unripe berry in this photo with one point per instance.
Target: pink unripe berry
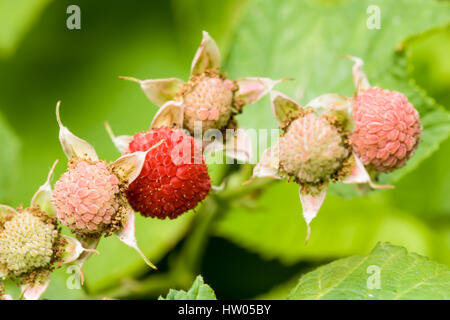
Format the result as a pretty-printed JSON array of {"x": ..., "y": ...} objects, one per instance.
[
  {"x": 387, "y": 129},
  {"x": 87, "y": 198},
  {"x": 312, "y": 149},
  {"x": 208, "y": 98}
]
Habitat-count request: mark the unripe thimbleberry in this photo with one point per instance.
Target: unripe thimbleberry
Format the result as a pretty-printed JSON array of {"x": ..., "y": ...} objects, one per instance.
[
  {"x": 387, "y": 126},
  {"x": 387, "y": 129},
  {"x": 174, "y": 178},
  {"x": 26, "y": 242},
  {"x": 31, "y": 243},
  {"x": 208, "y": 97},
  {"x": 90, "y": 197},
  {"x": 312, "y": 150},
  {"x": 87, "y": 197}
]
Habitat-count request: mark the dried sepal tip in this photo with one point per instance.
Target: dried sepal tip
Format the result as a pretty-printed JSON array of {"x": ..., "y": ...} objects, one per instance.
[
  {"x": 128, "y": 167},
  {"x": 268, "y": 165},
  {"x": 251, "y": 89},
  {"x": 311, "y": 204},
  {"x": 282, "y": 106},
  {"x": 43, "y": 197},
  {"x": 35, "y": 290},
  {"x": 360, "y": 175},
  {"x": 74, "y": 249},
  {"x": 359, "y": 77},
  {"x": 207, "y": 56},
  {"x": 335, "y": 105},
  {"x": 127, "y": 236},
  {"x": 170, "y": 115},
  {"x": 159, "y": 91},
  {"x": 121, "y": 142},
  {"x": 7, "y": 211},
  {"x": 73, "y": 147}
]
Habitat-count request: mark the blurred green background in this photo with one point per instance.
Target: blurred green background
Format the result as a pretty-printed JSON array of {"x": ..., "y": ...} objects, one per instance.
[{"x": 252, "y": 244}]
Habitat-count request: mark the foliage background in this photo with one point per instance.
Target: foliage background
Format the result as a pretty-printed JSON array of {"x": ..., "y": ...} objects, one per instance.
[{"x": 252, "y": 246}]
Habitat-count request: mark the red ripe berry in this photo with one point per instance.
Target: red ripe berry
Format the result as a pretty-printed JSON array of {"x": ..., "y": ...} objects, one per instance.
[{"x": 174, "y": 178}]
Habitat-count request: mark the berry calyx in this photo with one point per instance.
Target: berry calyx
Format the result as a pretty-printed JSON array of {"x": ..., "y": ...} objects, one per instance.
[{"x": 174, "y": 178}]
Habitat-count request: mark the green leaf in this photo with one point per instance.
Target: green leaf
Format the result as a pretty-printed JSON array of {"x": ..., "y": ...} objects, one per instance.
[
  {"x": 16, "y": 17},
  {"x": 280, "y": 291},
  {"x": 276, "y": 229},
  {"x": 198, "y": 291},
  {"x": 402, "y": 275},
  {"x": 306, "y": 40},
  {"x": 8, "y": 159}
]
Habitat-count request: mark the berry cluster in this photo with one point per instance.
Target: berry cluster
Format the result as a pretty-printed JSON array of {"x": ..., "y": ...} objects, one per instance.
[
  {"x": 336, "y": 138},
  {"x": 162, "y": 172}
]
